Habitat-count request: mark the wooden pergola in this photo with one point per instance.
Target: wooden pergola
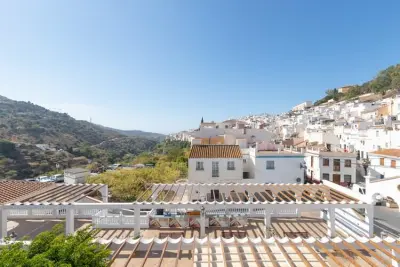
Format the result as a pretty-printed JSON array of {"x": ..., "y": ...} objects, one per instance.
[
  {"x": 258, "y": 252},
  {"x": 242, "y": 193}
]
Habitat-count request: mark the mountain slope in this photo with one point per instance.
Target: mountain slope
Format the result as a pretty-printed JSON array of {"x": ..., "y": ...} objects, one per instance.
[
  {"x": 151, "y": 135},
  {"x": 33, "y": 124}
]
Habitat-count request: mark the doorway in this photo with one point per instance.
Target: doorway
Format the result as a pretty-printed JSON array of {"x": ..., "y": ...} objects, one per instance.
[{"x": 336, "y": 178}]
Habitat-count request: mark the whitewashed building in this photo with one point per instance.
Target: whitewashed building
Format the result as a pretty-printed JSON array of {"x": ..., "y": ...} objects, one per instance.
[
  {"x": 215, "y": 164},
  {"x": 337, "y": 167},
  {"x": 75, "y": 176},
  {"x": 384, "y": 163}
]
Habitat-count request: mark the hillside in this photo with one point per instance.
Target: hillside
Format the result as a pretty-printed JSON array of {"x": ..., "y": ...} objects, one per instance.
[
  {"x": 72, "y": 142},
  {"x": 385, "y": 80},
  {"x": 136, "y": 133},
  {"x": 33, "y": 124}
]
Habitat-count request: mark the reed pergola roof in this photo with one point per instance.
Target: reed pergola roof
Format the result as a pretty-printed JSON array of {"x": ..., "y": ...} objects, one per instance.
[
  {"x": 257, "y": 252},
  {"x": 243, "y": 194},
  {"x": 18, "y": 192}
]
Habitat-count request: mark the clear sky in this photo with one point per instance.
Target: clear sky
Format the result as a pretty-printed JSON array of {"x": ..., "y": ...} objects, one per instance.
[{"x": 162, "y": 65}]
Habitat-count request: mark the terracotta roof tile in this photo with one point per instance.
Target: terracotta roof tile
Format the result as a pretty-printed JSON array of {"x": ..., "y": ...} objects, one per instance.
[
  {"x": 392, "y": 152},
  {"x": 12, "y": 189},
  {"x": 215, "y": 151}
]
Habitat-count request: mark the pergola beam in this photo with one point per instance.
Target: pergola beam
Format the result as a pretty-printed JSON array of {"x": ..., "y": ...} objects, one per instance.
[
  {"x": 373, "y": 253},
  {"x": 162, "y": 254},
  {"x": 314, "y": 253},
  {"x": 147, "y": 253},
  {"x": 350, "y": 259},
  {"x": 132, "y": 254},
  {"x": 301, "y": 256}
]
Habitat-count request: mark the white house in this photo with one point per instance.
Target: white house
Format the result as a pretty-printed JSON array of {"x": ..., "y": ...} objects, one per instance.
[
  {"x": 215, "y": 164},
  {"x": 275, "y": 165},
  {"x": 384, "y": 163},
  {"x": 75, "y": 176},
  {"x": 302, "y": 106},
  {"x": 337, "y": 167}
]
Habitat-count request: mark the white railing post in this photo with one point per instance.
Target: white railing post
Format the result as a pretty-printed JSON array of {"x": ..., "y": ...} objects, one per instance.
[
  {"x": 137, "y": 222},
  {"x": 3, "y": 223},
  {"x": 69, "y": 221},
  {"x": 369, "y": 219},
  {"x": 331, "y": 223}
]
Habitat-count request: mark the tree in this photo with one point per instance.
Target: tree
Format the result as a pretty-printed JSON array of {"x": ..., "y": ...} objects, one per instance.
[{"x": 53, "y": 248}]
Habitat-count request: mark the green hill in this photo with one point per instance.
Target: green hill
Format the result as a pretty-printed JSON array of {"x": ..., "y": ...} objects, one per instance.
[
  {"x": 73, "y": 142},
  {"x": 385, "y": 80}
]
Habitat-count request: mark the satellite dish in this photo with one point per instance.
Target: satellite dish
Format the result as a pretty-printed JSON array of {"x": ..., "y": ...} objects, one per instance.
[
  {"x": 298, "y": 179},
  {"x": 378, "y": 197}
]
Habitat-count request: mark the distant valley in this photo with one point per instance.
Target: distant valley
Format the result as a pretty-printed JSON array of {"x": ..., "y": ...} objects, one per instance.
[{"x": 35, "y": 140}]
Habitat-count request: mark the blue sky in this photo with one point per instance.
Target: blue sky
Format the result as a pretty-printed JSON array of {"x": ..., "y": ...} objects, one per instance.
[{"x": 162, "y": 65}]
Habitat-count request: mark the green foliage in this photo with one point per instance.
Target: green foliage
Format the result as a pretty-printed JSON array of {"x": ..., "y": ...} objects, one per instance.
[
  {"x": 388, "y": 79},
  {"x": 53, "y": 248},
  {"x": 6, "y": 147},
  {"x": 127, "y": 185}
]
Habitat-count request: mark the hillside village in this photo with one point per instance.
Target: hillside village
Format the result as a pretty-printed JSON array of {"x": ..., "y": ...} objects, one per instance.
[{"x": 353, "y": 143}]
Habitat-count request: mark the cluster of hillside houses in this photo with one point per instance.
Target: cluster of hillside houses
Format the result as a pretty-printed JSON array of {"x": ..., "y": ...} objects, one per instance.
[{"x": 350, "y": 143}]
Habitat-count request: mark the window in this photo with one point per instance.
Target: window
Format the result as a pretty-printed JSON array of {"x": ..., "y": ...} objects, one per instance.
[
  {"x": 336, "y": 165},
  {"x": 270, "y": 165},
  {"x": 347, "y": 178},
  {"x": 347, "y": 162},
  {"x": 312, "y": 161},
  {"x": 325, "y": 162},
  {"x": 393, "y": 163},
  {"x": 231, "y": 165},
  {"x": 382, "y": 161},
  {"x": 325, "y": 176},
  {"x": 244, "y": 161},
  {"x": 199, "y": 166},
  {"x": 215, "y": 169}
]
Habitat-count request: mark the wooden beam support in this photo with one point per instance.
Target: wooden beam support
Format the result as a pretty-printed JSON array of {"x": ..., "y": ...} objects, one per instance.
[
  {"x": 298, "y": 252},
  {"x": 162, "y": 254},
  {"x": 285, "y": 254},
  {"x": 271, "y": 255},
  {"x": 374, "y": 254},
  {"x": 315, "y": 254},
  {"x": 114, "y": 256},
  {"x": 327, "y": 252},
  {"x": 131, "y": 254},
  {"x": 237, "y": 249},
  {"x": 254, "y": 254},
  {"x": 344, "y": 254},
  {"x": 147, "y": 254},
  {"x": 359, "y": 254},
  {"x": 384, "y": 251},
  {"x": 178, "y": 254},
  {"x": 223, "y": 254}
]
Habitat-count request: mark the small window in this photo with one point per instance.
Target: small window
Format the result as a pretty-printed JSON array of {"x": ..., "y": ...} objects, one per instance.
[
  {"x": 199, "y": 166},
  {"x": 231, "y": 165},
  {"x": 270, "y": 165},
  {"x": 347, "y": 162},
  {"x": 244, "y": 161},
  {"x": 325, "y": 162},
  {"x": 347, "y": 178},
  {"x": 325, "y": 176}
]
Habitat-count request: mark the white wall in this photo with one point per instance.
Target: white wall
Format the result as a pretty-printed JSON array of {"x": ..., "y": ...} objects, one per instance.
[
  {"x": 385, "y": 187},
  {"x": 225, "y": 175},
  {"x": 377, "y": 170},
  {"x": 287, "y": 169}
]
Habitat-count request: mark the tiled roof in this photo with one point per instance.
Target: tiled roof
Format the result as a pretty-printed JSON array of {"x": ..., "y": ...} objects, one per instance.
[
  {"x": 215, "y": 151},
  {"x": 12, "y": 190},
  {"x": 388, "y": 152},
  {"x": 23, "y": 191}
]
